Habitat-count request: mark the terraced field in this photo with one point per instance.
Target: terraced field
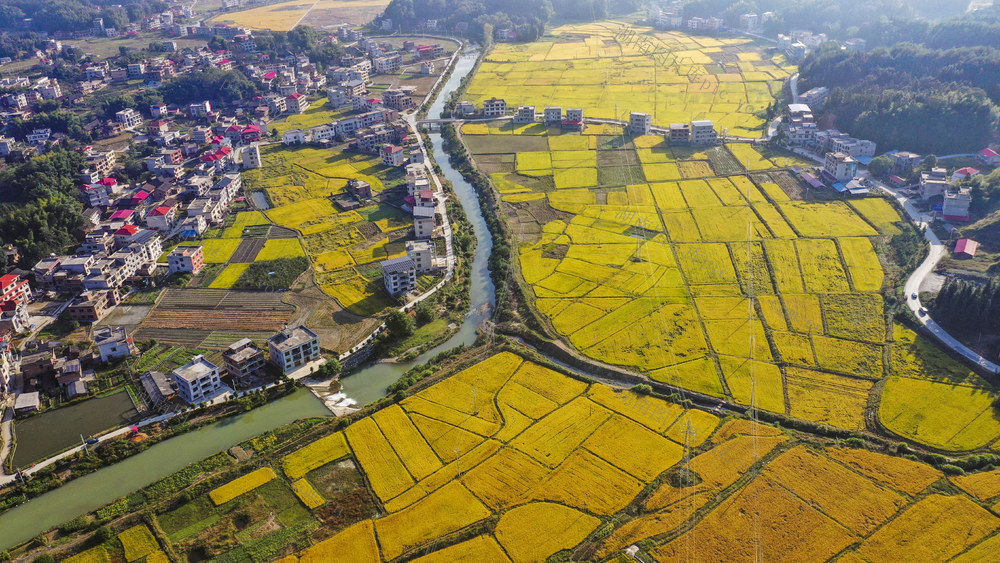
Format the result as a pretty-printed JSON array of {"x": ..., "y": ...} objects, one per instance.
[
  {"x": 674, "y": 76},
  {"x": 508, "y": 460},
  {"x": 745, "y": 293}
]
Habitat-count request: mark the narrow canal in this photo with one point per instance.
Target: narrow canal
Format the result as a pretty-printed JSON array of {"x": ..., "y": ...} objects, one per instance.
[{"x": 369, "y": 384}]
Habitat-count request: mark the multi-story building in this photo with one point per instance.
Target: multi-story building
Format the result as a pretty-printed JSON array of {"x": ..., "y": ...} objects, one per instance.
[
  {"x": 815, "y": 97},
  {"x": 251, "y": 157},
  {"x": 14, "y": 316},
  {"x": 197, "y": 380},
  {"x": 423, "y": 222},
  {"x": 680, "y": 134},
  {"x": 703, "y": 133},
  {"x": 399, "y": 275},
  {"x": 933, "y": 183},
  {"x": 162, "y": 218},
  {"x": 525, "y": 114},
  {"x": 398, "y": 100},
  {"x": 956, "y": 203},
  {"x": 422, "y": 253},
  {"x": 6, "y": 145},
  {"x": 186, "y": 258},
  {"x": 494, "y": 107},
  {"x": 14, "y": 288},
  {"x": 553, "y": 115},
  {"x": 129, "y": 118},
  {"x": 294, "y": 137},
  {"x": 640, "y": 123},
  {"x": 840, "y": 166},
  {"x": 113, "y": 343},
  {"x": 244, "y": 360},
  {"x": 39, "y": 136},
  {"x": 293, "y": 348},
  {"x": 297, "y": 103},
  {"x": 464, "y": 107},
  {"x": 91, "y": 306},
  {"x": 392, "y": 155},
  {"x": 200, "y": 109}
]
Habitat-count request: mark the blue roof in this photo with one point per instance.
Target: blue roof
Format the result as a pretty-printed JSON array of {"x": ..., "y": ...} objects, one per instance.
[
  {"x": 839, "y": 187},
  {"x": 866, "y": 160}
]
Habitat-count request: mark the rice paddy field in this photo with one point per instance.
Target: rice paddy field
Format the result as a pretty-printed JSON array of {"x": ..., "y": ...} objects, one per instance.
[
  {"x": 674, "y": 76},
  {"x": 344, "y": 247},
  {"x": 508, "y": 460},
  {"x": 744, "y": 293}
]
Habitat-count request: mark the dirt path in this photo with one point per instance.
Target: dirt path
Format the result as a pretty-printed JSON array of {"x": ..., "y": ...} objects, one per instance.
[{"x": 6, "y": 432}]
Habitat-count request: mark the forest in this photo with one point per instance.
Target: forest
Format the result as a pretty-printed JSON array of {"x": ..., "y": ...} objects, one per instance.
[
  {"x": 75, "y": 15},
  {"x": 526, "y": 17},
  {"x": 968, "y": 307},
  {"x": 911, "y": 97},
  {"x": 39, "y": 207}
]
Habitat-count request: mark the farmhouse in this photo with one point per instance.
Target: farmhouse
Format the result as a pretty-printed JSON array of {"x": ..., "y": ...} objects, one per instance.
[
  {"x": 243, "y": 360},
  {"x": 553, "y": 114},
  {"x": 840, "y": 166},
  {"x": 399, "y": 274},
  {"x": 494, "y": 107},
  {"x": 197, "y": 380},
  {"x": 680, "y": 134},
  {"x": 703, "y": 132},
  {"x": 293, "y": 348},
  {"x": 186, "y": 258},
  {"x": 525, "y": 114},
  {"x": 640, "y": 123},
  {"x": 966, "y": 248},
  {"x": 422, "y": 254}
]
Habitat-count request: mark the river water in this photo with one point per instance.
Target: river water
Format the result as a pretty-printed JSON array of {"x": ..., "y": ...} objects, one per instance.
[{"x": 366, "y": 385}]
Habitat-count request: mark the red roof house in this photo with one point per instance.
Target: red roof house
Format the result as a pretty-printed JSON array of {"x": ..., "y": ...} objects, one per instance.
[
  {"x": 966, "y": 247},
  {"x": 160, "y": 211},
  {"x": 122, "y": 215},
  {"x": 128, "y": 230}
]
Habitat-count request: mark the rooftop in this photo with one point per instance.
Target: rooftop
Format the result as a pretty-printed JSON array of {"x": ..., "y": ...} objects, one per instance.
[
  {"x": 197, "y": 368},
  {"x": 398, "y": 265},
  {"x": 291, "y": 338}
]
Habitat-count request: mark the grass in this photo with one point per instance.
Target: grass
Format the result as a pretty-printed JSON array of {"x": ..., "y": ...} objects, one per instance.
[
  {"x": 280, "y": 248},
  {"x": 218, "y": 251}
]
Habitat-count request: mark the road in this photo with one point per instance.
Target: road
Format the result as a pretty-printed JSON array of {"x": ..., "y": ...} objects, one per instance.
[
  {"x": 793, "y": 84},
  {"x": 911, "y": 289}
]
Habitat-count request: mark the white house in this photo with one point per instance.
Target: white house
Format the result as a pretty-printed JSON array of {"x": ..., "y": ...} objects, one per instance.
[
  {"x": 113, "y": 342},
  {"x": 197, "y": 380},
  {"x": 399, "y": 275},
  {"x": 293, "y": 348}
]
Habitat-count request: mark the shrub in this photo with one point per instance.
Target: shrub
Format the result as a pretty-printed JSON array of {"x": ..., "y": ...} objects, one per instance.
[{"x": 952, "y": 469}]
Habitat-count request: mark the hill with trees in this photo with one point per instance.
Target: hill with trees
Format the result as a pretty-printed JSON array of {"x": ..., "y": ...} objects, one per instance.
[
  {"x": 75, "y": 15},
  {"x": 909, "y": 96}
]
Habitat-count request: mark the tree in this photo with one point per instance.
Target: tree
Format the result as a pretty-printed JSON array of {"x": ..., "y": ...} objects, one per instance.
[
  {"x": 880, "y": 166},
  {"x": 424, "y": 313},
  {"x": 930, "y": 161},
  {"x": 399, "y": 325}
]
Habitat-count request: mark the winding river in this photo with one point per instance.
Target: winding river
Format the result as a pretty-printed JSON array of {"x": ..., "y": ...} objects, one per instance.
[{"x": 366, "y": 385}]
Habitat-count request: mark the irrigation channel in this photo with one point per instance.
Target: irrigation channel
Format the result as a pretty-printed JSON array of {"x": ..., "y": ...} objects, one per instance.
[{"x": 366, "y": 385}]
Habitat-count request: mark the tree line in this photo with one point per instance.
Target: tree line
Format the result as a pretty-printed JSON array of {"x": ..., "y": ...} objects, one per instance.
[
  {"x": 527, "y": 18},
  {"x": 75, "y": 15},
  {"x": 969, "y": 306},
  {"x": 911, "y": 97},
  {"x": 39, "y": 208}
]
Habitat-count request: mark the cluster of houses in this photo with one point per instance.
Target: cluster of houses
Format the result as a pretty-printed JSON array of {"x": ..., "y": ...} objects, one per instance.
[
  {"x": 400, "y": 274},
  {"x": 244, "y": 363}
]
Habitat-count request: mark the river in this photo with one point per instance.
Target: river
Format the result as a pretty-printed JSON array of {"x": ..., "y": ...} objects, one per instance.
[{"x": 366, "y": 385}]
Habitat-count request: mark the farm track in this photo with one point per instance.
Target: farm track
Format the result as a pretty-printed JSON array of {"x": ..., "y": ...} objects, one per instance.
[{"x": 247, "y": 251}]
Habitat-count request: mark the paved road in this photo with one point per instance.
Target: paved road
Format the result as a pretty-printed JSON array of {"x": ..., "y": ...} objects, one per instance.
[{"x": 912, "y": 287}]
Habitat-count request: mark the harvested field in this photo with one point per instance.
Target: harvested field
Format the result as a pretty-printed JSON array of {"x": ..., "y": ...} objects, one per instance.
[{"x": 247, "y": 251}]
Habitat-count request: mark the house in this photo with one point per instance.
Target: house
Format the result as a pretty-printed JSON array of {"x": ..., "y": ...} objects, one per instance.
[
  {"x": 640, "y": 123},
  {"x": 244, "y": 360},
  {"x": 840, "y": 166},
  {"x": 933, "y": 183},
  {"x": 680, "y": 134},
  {"x": 293, "y": 348},
  {"x": 14, "y": 315},
  {"x": 399, "y": 275},
  {"x": 987, "y": 156},
  {"x": 6, "y": 145},
  {"x": 963, "y": 174},
  {"x": 197, "y": 380},
  {"x": 422, "y": 254},
  {"x": 392, "y": 155},
  {"x": 398, "y": 100},
  {"x": 158, "y": 386},
  {"x": 39, "y": 136},
  {"x": 251, "y": 157},
  {"x": 574, "y": 119},
  {"x": 294, "y": 137},
  {"x": 91, "y": 306},
  {"x": 200, "y": 109},
  {"x": 966, "y": 248},
  {"x": 904, "y": 162},
  {"x": 552, "y": 115},
  {"x": 186, "y": 258},
  {"x": 297, "y": 103},
  {"x": 162, "y": 218},
  {"x": 525, "y": 114},
  {"x": 359, "y": 189},
  {"x": 27, "y": 403},
  {"x": 14, "y": 288},
  {"x": 129, "y": 118},
  {"x": 113, "y": 343},
  {"x": 464, "y": 107},
  {"x": 423, "y": 222},
  {"x": 955, "y": 206},
  {"x": 494, "y": 107},
  {"x": 703, "y": 133}
]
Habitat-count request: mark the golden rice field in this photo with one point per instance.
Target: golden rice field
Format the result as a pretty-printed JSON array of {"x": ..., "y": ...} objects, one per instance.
[
  {"x": 508, "y": 460},
  {"x": 594, "y": 67},
  {"x": 277, "y": 17},
  {"x": 745, "y": 293},
  {"x": 344, "y": 247}
]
